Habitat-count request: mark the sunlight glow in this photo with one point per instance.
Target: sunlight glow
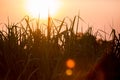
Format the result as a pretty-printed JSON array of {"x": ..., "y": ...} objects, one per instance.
[{"x": 40, "y": 8}]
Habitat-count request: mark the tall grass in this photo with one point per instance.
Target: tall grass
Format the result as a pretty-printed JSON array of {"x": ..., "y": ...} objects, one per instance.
[
  {"x": 108, "y": 66},
  {"x": 29, "y": 54}
]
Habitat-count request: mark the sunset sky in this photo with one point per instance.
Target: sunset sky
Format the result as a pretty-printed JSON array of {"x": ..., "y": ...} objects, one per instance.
[{"x": 97, "y": 13}]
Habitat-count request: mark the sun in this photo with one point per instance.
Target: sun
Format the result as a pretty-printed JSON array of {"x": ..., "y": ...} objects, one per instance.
[{"x": 41, "y": 8}]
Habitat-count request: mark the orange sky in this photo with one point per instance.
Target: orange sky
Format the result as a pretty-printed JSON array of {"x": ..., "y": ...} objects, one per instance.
[{"x": 97, "y": 13}]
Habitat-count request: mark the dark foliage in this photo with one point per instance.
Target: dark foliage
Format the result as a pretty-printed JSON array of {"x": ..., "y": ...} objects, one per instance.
[{"x": 28, "y": 54}]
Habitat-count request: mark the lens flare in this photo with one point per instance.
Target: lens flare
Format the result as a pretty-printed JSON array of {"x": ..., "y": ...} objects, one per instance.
[
  {"x": 69, "y": 72},
  {"x": 70, "y": 63}
]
